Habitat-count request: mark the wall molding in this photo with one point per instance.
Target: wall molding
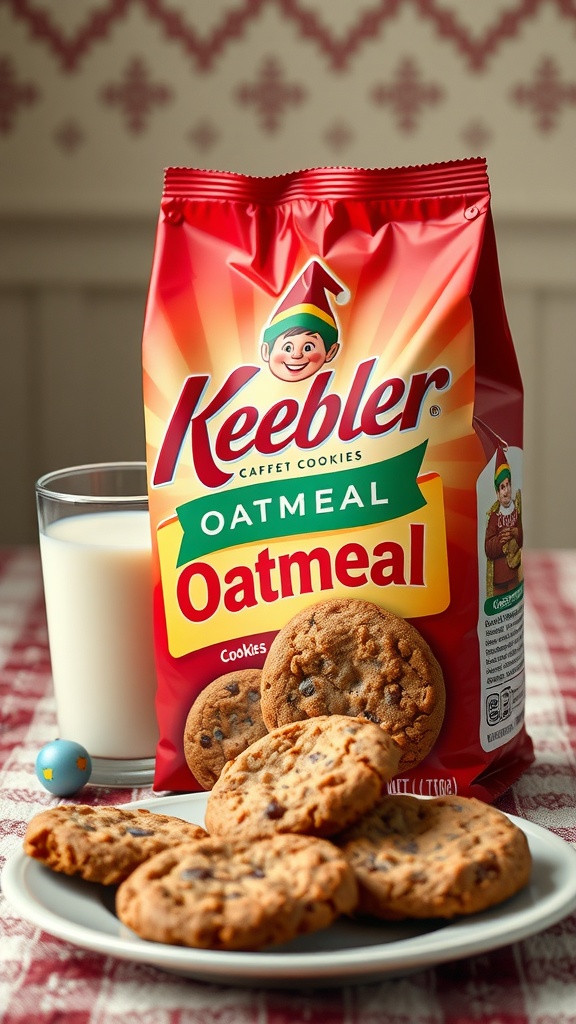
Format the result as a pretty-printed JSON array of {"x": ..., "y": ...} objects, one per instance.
[{"x": 537, "y": 251}]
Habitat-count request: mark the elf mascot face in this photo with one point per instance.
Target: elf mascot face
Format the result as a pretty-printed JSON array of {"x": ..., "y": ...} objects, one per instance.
[
  {"x": 302, "y": 333},
  {"x": 503, "y": 479}
]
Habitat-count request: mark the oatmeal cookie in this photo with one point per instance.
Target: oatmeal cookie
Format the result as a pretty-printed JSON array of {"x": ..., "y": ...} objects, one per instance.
[
  {"x": 313, "y": 777},
  {"x": 417, "y": 858},
  {"x": 349, "y": 657},
  {"x": 228, "y": 894},
  {"x": 102, "y": 844},
  {"x": 224, "y": 719}
]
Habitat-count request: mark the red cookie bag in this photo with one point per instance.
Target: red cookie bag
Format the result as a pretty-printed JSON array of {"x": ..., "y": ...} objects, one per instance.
[{"x": 334, "y": 408}]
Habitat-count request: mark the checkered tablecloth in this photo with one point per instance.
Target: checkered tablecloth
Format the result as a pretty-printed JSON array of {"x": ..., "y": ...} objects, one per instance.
[{"x": 46, "y": 981}]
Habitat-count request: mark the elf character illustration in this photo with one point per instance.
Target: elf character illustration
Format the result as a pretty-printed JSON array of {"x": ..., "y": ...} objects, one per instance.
[
  {"x": 504, "y": 534},
  {"x": 302, "y": 333}
]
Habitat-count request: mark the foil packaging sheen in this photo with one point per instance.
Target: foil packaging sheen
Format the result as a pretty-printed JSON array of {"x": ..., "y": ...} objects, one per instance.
[{"x": 334, "y": 409}]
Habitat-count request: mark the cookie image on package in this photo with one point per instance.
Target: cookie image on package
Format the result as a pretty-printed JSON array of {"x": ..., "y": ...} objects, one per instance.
[
  {"x": 228, "y": 894},
  {"x": 313, "y": 777},
  {"x": 444, "y": 857},
  {"x": 102, "y": 844},
  {"x": 351, "y": 657},
  {"x": 224, "y": 719}
]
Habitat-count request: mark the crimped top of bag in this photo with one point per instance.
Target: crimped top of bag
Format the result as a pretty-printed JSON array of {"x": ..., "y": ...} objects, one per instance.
[{"x": 457, "y": 177}]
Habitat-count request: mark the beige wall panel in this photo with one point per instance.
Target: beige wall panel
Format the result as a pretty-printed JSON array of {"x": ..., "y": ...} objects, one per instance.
[
  {"x": 113, "y": 344},
  {"x": 91, "y": 375},
  {"x": 18, "y": 417},
  {"x": 68, "y": 250},
  {"x": 62, "y": 352},
  {"x": 555, "y": 419}
]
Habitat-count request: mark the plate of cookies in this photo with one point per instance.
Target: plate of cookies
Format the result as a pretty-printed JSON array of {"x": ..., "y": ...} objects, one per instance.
[{"x": 297, "y": 866}]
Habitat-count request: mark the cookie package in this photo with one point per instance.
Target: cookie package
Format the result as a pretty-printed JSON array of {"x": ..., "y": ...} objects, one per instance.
[{"x": 334, "y": 413}]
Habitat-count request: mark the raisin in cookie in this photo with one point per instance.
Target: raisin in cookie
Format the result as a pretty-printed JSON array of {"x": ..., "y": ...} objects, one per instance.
[
  {"x": 102, "y": 844},
  {"x": 349, "y": 657},
  {"x": 435, "y": 858},
  {"x": 224, "y": 719},
  {"x": 313, "y": 777},
  {"x": 228, "y": 894}
]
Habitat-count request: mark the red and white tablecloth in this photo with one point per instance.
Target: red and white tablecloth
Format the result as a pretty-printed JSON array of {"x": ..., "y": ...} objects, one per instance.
[{"x": 46, "y": 981}]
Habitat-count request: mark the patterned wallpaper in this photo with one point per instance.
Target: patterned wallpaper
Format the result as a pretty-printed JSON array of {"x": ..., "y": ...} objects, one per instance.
[{"x": 97, "y": 96}]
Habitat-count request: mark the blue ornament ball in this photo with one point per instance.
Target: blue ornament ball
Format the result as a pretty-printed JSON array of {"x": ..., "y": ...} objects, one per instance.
[{"x": 63, "y": 767}]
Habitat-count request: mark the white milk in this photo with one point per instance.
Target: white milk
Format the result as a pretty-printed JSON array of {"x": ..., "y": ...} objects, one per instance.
[{"x": 97, "y": 583}]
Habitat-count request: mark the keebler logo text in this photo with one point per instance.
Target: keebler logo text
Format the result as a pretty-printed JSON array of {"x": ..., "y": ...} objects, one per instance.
[{"x": 393, "y": 404}]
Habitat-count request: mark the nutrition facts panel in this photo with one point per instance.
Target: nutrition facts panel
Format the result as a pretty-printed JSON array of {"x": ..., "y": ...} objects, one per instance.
[{"x": 502, "y": 645}]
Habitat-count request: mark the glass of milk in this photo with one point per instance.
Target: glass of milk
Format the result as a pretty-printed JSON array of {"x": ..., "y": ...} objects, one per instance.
[{"x": 95, "y": 547}]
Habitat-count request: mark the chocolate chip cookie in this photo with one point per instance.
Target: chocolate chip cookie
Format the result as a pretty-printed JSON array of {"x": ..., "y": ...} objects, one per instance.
[
  {"x": 102, "y": 844},
  {"x": 349, "y": 657},
  {"x": 416, "y": 858},
  {"x": 223, "y": 720},
  {"x": 312, "y": 777},
  {"x": 229, "y": 894}
]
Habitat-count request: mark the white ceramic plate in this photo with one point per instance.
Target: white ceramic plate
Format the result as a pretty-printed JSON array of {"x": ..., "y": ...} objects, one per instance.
[{"x": 349, "y": 952}]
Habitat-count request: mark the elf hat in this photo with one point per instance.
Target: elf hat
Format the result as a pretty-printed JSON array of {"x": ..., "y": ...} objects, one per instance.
[
  {"x": 306, "y": 305},
  {"x": 502, "y": 468}
]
